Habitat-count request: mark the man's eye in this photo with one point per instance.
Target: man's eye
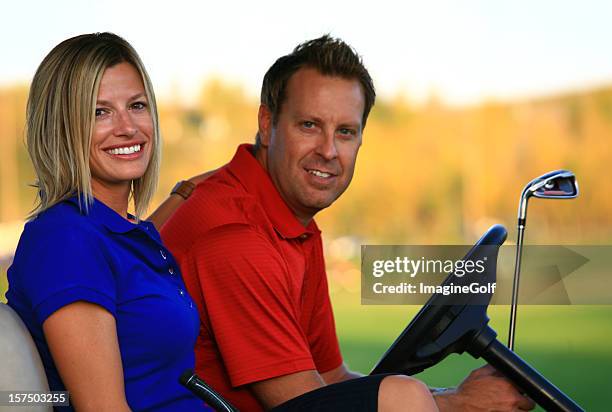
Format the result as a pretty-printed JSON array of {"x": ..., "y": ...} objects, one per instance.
[
  {"x": 308, "y": 124},
  {"x": 347, "y": 132}
]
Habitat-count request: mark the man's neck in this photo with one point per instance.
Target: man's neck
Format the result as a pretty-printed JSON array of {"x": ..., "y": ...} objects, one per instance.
[{"x": 261, "y": 156}]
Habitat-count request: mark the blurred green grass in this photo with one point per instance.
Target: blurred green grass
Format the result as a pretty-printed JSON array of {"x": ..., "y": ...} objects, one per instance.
[{"x": 570, "y": 345}]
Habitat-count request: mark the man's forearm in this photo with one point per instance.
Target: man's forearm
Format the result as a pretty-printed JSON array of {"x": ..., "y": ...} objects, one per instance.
[
  {"x": 351, "y": 375},
  {"x": 181, "y": 191},
  {"x": 340, "y": 374},
  {"x": 445, "y": 398},
  {"x": 165, "y": 210},
  {"x": 483, "y": 389}
]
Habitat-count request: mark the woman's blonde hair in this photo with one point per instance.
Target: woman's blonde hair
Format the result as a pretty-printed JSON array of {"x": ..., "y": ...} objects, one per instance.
[{"x": 61, "y": 114}]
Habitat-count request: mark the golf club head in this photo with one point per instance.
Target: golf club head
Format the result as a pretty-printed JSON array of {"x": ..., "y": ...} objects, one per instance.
[{"x": 558, "y": 184}]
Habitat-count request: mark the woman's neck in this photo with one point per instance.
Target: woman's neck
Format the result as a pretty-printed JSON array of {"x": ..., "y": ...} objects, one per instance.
[{"x": 114, "y": 196}]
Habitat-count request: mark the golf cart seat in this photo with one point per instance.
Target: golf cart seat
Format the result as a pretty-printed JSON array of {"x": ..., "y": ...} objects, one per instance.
[{"x": 22, "y": 368}]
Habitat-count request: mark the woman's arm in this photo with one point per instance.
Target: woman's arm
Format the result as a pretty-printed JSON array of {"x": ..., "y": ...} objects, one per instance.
[
  {"x": 172, "y": 202},
  {"x": 83, "y": 341}
]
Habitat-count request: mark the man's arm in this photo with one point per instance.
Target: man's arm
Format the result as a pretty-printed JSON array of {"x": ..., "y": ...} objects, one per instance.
[
  {"x": 339, "y": 374},
  {"x": 273, "y": 392},
  {"x": 173, "y": 201},
  {"x": 485, "y": 389}
]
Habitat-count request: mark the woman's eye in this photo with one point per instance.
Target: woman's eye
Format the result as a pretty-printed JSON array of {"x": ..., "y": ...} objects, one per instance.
[
  {"x": 308, "y": 124},
  {"x": 100, "y": 112},
  {"x": 139, "y": 105}
]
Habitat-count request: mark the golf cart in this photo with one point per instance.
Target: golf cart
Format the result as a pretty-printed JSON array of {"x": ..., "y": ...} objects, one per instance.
[{"x": 446, "y": 324}]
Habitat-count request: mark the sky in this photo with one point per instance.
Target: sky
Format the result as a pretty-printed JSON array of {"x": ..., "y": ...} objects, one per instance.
[{"x": 462, "y": 52}]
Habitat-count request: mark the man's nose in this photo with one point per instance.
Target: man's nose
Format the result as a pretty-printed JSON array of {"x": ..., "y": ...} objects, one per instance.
[{"x": 327, "y": 146}]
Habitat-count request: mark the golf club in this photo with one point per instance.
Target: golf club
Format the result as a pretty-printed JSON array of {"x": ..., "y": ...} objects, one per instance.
[{"x": 559, "y": 184}]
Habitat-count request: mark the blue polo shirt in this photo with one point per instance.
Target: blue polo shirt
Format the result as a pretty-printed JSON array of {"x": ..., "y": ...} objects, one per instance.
[{"x": 65, "y": 255}]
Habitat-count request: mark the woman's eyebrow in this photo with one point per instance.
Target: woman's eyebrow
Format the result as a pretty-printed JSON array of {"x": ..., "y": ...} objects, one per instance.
[{"x": 134, "y": 97}]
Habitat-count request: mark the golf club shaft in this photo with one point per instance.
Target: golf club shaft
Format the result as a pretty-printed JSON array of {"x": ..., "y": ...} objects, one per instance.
[{"x": 515, "y": 284}]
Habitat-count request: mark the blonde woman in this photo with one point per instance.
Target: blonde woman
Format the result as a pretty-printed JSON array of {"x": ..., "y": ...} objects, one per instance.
[{"x": 100, "y": 294}]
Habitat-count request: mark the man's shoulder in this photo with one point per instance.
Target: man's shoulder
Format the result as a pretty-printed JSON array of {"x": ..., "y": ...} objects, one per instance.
[{"x": 218, "y": 201}]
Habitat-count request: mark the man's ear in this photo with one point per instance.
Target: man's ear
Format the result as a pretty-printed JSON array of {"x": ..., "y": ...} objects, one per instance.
[{"x": 264, "y": 118}]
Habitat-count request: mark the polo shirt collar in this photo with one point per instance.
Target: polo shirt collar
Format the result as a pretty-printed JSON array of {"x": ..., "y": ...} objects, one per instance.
[
  {"x": 105, "y": 216},
  {"x": 255, "y": 179}
]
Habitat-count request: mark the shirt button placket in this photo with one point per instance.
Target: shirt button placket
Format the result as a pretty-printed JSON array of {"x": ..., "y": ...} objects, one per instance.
[{"x": 185, "y": 297}]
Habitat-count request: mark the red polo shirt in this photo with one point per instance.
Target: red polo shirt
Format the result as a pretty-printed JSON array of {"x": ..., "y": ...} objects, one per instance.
[{"x": 258, "y": 278}]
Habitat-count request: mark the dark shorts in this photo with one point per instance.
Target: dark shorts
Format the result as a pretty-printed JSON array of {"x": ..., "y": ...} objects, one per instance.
[{"x": 354, "y": 395}]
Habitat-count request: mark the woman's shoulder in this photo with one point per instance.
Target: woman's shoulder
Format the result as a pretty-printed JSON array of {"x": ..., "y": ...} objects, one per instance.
[
  {"x": 60, "y": 223},
  {"x": 61, "y": 257},
  {"x": 57, "y": 240}
]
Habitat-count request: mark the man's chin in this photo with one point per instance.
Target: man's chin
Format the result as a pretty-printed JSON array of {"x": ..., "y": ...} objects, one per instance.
[{"x": 316, "y": 204}]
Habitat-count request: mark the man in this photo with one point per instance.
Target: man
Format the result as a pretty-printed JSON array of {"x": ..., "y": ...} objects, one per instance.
[{"x": 252, "y": 257}]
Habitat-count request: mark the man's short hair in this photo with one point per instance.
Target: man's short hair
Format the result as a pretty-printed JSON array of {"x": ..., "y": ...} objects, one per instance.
[{"x": 329, "y": 56}]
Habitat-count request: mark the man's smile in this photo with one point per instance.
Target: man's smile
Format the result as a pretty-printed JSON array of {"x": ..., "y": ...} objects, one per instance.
[{"x": 320, "y": 173}]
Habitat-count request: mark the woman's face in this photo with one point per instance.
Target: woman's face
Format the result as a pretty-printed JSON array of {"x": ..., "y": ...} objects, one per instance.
[{"x": 122, "y": 140}]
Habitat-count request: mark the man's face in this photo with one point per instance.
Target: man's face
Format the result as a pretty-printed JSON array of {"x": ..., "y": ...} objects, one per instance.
[{"x": 310, "y": 153}]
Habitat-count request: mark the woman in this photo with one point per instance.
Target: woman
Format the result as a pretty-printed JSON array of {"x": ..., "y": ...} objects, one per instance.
[{"x": 101, "y": 295}]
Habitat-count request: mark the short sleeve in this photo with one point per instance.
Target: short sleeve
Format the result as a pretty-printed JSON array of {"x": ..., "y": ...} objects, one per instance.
[
  {"x": 65, "y": 265},
  {"x": 322, "y": 330},
  {"x": 252, "y": 315}
]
